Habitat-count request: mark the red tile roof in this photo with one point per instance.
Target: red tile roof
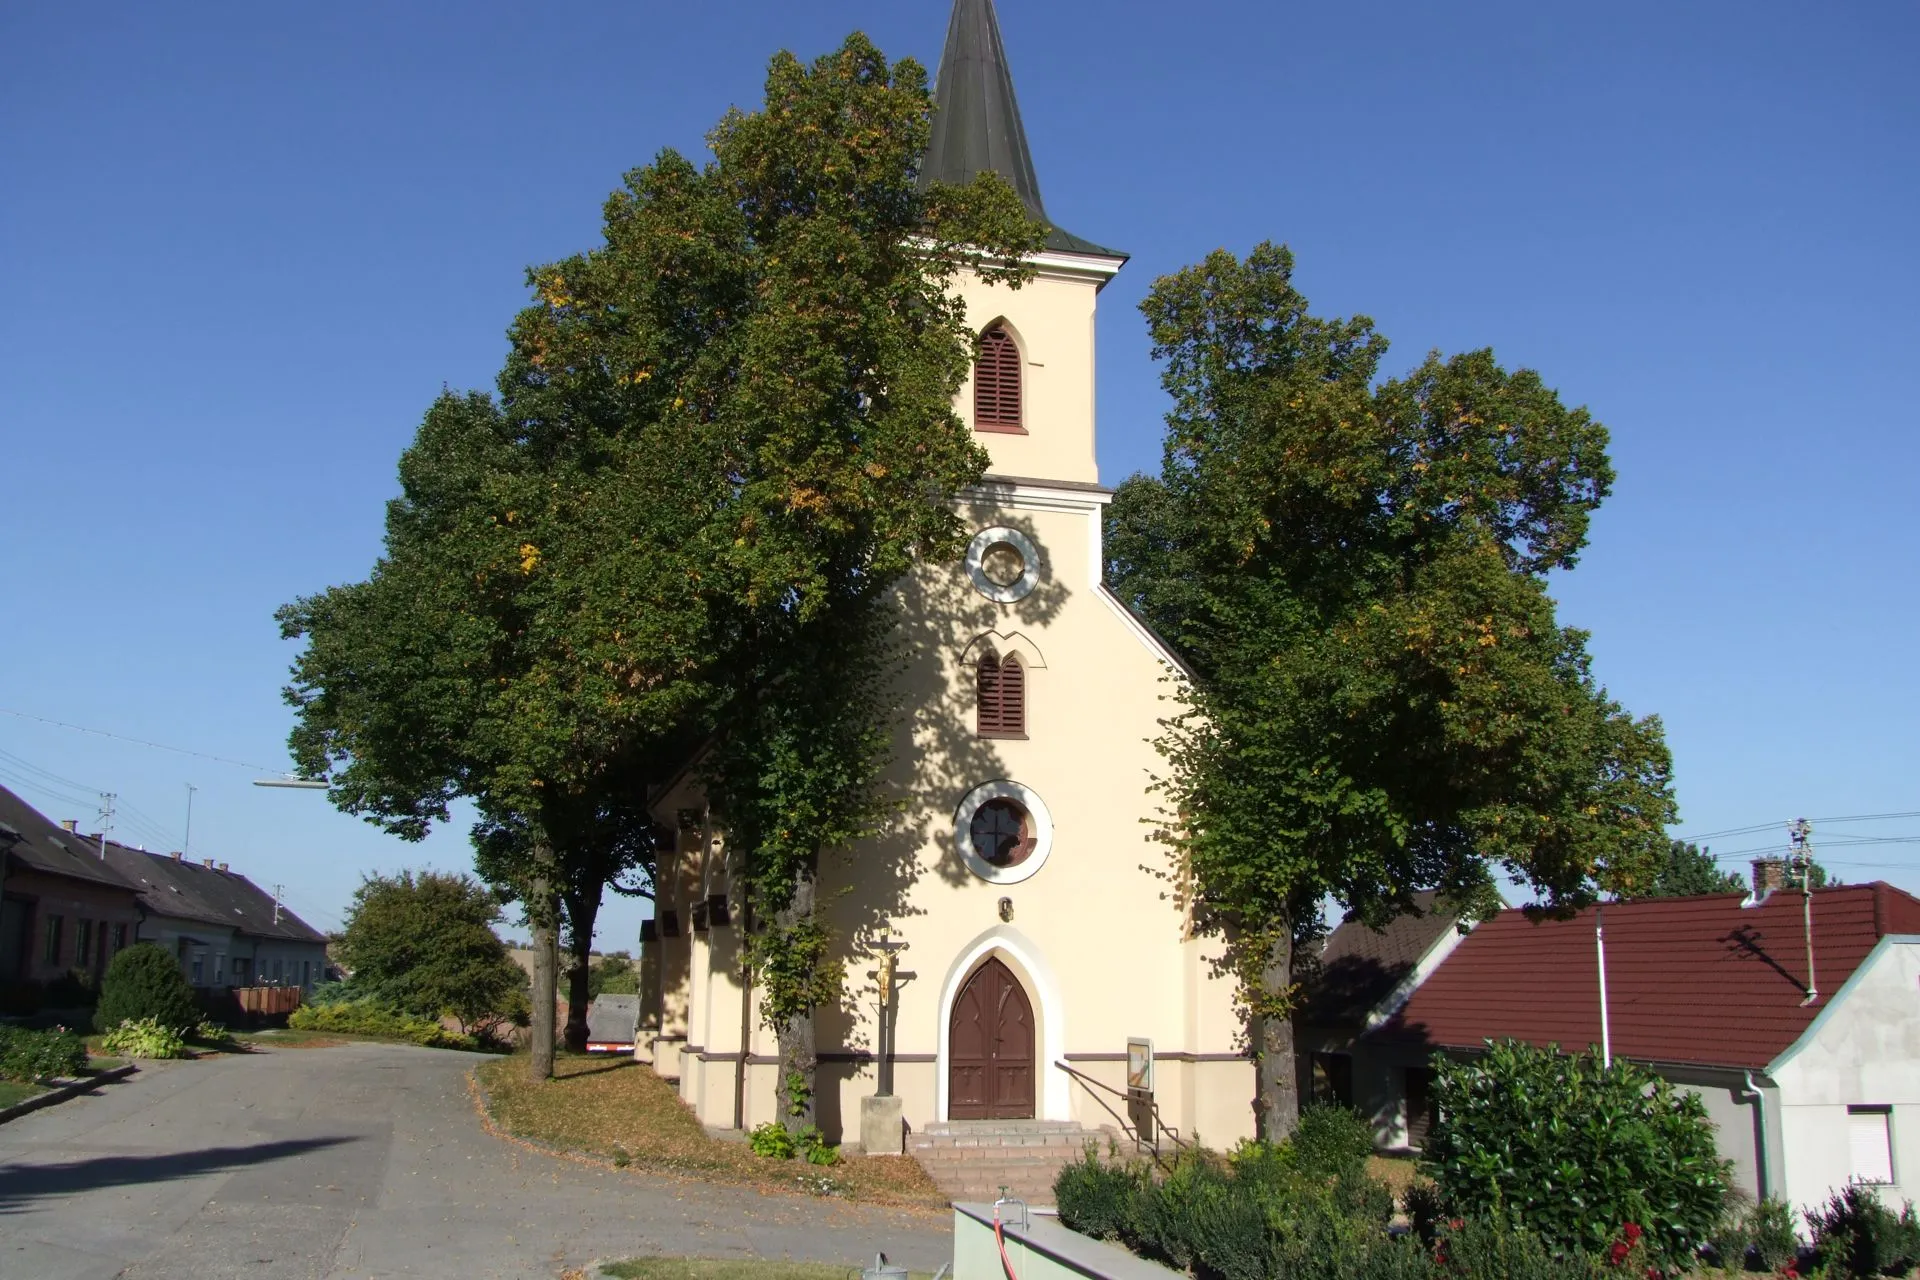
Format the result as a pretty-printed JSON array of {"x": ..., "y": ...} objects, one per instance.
[{"x": 1689, "y": 980}]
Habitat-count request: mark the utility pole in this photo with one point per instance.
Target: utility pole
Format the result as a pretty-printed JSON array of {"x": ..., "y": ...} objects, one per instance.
[
  {"x": 1800, "y": 858},
  {"x": 186, "y": 841},
  {"x": 106, "y": 820},
  {"x": 278, "y": 890}
]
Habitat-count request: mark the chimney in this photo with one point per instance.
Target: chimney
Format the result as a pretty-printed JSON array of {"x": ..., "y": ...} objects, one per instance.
[
  {"x": 176, "y": 855},
  {"x": 70, "y": 824},
  {"x": 1768, "y": 874},
  {"x": 207, "y": 863},
  {"x": 223, "y": 866}
]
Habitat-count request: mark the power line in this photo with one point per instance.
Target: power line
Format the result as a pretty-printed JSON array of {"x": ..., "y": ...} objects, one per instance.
[
  {"x": 1773, "y": 826},
  {"x": 139, "y": 742}
]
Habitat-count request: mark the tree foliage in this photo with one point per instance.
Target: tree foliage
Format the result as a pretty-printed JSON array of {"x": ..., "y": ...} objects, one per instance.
[
  {"x": 423, "y": 943},
  {"x": 720, "y": 437},
  {"x": 1355, "y": 568},
  {"x": 1688, "y": 869}
]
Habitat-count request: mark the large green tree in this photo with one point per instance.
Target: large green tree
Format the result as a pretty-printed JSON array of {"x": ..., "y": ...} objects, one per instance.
[
  {"x": 424, "y": 942},
  {"x": 721, "y": 437},
  {"x": 1383, "y": 700},
  {"x": 1688, "y": 869}
]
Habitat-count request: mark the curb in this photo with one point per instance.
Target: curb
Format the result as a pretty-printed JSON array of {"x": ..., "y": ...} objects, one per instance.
[{"x": 60, "y": 1093}]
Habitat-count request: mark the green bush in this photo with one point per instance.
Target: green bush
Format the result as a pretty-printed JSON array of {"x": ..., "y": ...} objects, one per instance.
[
  {"x": 1477, "y": 1249},
  {"x": 32, "y": 1056},
  {"x": 1096, "y": 1198},
  {"x": 371, "y": 1018},
  {"x": 815, "y": 1148},
  {"x": 1331, "y": 1141},
  {"x": 1574, "y": 1151},
  {"x": 144, "y": 983},
  {"x": 1756, "y": 1237},
  {"x": 772, "y": 1141},
  {"x": 144, "y": 1038},
  {"x": 1857, "y": 1236}
]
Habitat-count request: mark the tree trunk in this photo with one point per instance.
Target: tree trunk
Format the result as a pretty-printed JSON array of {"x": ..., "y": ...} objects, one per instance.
[
  {"x": 1277, "y": 1089},
  {"x": 581, "y": 913},
  {"x": 799, "y": 1058},
  {"x": 543, "y": 917}
]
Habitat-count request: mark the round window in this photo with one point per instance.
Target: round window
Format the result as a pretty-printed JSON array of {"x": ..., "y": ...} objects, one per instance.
[
  {"x": 1003, "y": 563},
  {"x": 1002, "y": 831}
]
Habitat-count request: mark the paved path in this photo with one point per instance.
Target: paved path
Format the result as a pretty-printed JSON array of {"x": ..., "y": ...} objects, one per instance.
[{"x": 364, "y": 1160}]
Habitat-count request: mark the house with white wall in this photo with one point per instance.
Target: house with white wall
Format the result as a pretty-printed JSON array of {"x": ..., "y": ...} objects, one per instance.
[{"x": 1795, "y": 1018}]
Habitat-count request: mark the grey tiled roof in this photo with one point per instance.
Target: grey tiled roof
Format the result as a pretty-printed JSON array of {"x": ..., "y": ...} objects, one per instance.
[
  {"x": 1361, "y": 965},
  {"x": 28, "y": 838},
  {"x": 195, "y": 891}
]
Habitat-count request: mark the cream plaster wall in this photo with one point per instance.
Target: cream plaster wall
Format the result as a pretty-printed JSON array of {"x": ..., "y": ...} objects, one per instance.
[
  {"x": 1863, "y": 1050},
  {"x": 1094, "y": 934},
  {"x": 1052, "y": 322}
]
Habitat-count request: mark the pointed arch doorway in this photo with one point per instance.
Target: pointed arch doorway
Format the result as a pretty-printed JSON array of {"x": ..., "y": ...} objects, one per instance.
[{"x": 990, "y": 1073}]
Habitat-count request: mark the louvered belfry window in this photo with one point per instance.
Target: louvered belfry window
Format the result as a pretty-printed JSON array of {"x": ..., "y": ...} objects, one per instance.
[
  {"x": 996, "y": 383},
  {"x": 1002, "y": 689}
]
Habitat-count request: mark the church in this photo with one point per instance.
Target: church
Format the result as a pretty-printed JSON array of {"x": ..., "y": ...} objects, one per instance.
[{"x": 1017, "y": 920}]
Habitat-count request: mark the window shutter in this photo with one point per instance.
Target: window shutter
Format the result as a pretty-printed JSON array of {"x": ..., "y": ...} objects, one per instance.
[
  {"x": 987, "y": 685},
  {"x": 1013, "y": 696},
  {"x": 996, "y": 382},
  {"x": 1868, "y": 1136}
]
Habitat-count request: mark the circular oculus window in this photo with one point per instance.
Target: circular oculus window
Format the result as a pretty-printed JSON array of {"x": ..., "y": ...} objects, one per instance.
[
  {"x": 1003, "y": 563},
  {"x": 1003, "y": 832}
]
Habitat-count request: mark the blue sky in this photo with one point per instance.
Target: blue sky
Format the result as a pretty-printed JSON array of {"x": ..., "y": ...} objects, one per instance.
[{"x": 245, "y": 245}]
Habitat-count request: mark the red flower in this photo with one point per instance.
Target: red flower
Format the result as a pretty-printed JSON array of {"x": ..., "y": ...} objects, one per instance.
[
  {"x": 1631, "y": 1231},
  {"x": 1618, "y": 1253}
]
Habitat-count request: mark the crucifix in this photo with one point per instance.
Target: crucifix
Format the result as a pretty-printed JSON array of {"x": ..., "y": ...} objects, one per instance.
[{"x": 889, "y": 960}]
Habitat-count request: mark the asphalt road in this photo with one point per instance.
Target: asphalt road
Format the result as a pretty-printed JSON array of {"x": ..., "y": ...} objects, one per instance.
[{"x": 364, "y": 1160}]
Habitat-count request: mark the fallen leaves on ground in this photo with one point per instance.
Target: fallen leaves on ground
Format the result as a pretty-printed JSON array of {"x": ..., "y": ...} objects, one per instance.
[{"x": 618, "y": 1110}]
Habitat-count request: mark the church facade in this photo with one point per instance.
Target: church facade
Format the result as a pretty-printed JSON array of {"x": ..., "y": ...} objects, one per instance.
[{"x": 1021, "y": 892}]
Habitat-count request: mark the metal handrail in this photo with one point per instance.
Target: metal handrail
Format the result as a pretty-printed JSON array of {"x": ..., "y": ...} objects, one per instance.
[{"x": 1159, "y": 1124}]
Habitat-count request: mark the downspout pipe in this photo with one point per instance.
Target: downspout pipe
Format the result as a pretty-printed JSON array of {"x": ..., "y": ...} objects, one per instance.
[{"x": 1759, "y": 1101}]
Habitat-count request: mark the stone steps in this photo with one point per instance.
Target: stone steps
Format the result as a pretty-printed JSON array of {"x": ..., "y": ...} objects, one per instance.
[{"x": 976, "y": 1159}]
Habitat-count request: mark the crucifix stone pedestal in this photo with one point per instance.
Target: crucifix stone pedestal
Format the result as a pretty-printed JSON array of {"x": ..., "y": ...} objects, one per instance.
[{"x": 883, "y": 1129}]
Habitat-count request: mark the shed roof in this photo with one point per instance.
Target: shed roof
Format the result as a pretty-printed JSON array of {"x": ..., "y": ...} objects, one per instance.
[
  {"x": 30, "y": 839},
  {"x": 1361, "y": 965},
  {"x": 1699, "y": 980}
]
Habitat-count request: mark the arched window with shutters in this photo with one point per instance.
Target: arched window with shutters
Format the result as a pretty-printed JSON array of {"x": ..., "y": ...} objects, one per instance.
[
  {"x": 996, "y": 382},
  {"x": 1001, "y": 685}
]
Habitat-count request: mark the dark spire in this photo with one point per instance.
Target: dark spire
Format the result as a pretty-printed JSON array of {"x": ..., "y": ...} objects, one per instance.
[{"x": 976, "y": 120}]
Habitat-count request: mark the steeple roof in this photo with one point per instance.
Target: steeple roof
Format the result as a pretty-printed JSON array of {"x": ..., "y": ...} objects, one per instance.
[{"x": 976, "y": 122}]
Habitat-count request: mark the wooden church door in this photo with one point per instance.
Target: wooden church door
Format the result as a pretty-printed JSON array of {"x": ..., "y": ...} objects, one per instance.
[{"x": 990, "y": 1048}]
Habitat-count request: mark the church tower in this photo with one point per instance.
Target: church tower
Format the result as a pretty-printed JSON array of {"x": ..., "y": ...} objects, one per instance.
[
  {"x": 1020, "y": 884},
  {"x": 1030, "y": 400}
]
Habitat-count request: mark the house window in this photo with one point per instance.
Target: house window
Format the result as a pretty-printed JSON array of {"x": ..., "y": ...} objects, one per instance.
[
  {"x": 1333, "y": 1078},
  {"x": 1870, "y": 1136},
  {"x": 306, "y": 973},
  {"x": 50, "y": 943},
  {"x": 219, "y": 967},
  {"x": 199, "y": 968},
  {"x": 82, "y": 941},
  {"x": 119, "y": 938},
  {"x": 277, "y": 974},
  {"x": 1419, "y": 1082},
  {"x": 1001, "y": 686},
  {"x": 240, "y": 973},
  {"x": 996, "y": 383}
]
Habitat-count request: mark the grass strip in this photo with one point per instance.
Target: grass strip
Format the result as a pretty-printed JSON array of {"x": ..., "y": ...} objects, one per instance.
[
  {"x": 730, "y": 1269},
  {"x": 619, "y": 1111}
]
